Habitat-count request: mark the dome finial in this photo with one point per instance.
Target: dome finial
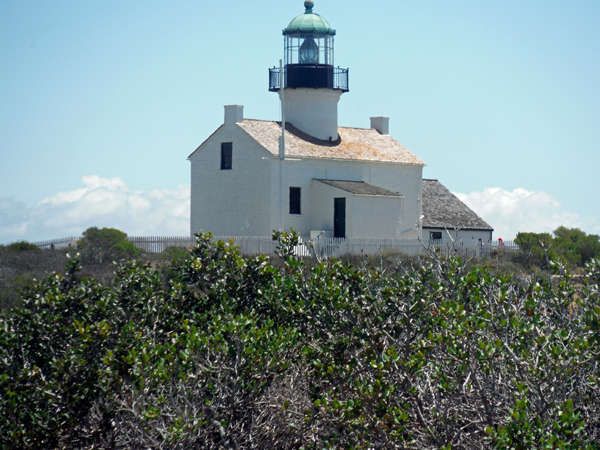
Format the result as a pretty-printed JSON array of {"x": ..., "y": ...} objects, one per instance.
[{"x": 308, "y": 4}]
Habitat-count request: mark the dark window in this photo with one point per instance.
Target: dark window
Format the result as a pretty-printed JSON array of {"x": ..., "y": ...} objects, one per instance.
[
  {"x": 294, "y": 200},
  {"x": 435, "y": 235},
  {"x": 226, "y": 150}
]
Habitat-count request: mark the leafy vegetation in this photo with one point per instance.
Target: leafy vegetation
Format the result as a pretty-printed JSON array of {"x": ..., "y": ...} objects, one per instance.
[
  {"x": 19, "y": 268},
  {"x": 571, "y": 245},
  {"x": 22, "y": 263},
  {"x": 22, "y": 246},
  {"x": 101, "y": 245},
  {"x": 222, "y": 351}
]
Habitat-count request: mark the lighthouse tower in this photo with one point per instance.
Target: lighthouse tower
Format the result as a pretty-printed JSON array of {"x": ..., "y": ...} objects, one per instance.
[{"x": 312, "y": 86}]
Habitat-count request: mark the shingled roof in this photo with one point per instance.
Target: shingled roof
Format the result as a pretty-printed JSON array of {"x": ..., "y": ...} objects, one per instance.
[
  {"x": 443, "y": 209},
  {"x": 359, "y": 188},
  {"x": 360, "y": 144}
]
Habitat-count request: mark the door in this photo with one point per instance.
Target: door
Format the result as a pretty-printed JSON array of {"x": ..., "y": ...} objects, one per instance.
[{"x": 339, "y": 217}]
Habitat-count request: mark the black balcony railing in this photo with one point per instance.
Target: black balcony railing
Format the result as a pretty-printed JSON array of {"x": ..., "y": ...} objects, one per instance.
[{"x": 308, "y": 76}]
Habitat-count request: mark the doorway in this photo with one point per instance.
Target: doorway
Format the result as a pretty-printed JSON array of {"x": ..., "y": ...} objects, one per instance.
[{"x": 339, "y": 217}]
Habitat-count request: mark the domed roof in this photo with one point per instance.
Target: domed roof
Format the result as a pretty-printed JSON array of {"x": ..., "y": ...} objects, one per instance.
[{"x": 309, "y": 22}]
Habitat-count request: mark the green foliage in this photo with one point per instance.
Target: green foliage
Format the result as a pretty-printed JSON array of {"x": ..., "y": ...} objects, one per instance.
[
  {"x": 576, "y": 246},
  {"x": 22, "y": 246},
  {"x": 534, "y": 247},
  {"x": 231, "y": 352},
  {"x": 561, "y": 429},
  {"x": 172, "y": 253},
  {"x": 287, "y": 243},
  {"x": 571, "y": 245},
  {"x": 19, "y": 269},
  {"x": 100, "y": 245}
]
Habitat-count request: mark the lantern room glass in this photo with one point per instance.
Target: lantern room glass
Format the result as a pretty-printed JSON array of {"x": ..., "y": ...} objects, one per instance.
[{"x": 309, "y": 49}]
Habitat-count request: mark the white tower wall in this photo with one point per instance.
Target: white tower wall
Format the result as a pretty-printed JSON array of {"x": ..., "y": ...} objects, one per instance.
[{"x": 313, "y": 111}]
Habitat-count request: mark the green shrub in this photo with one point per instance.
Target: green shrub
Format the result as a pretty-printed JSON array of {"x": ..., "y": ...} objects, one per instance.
[
  {"x": 19, "y": 269},
  {"x": 232, "y": 352},
  {"x": 22, "y": 246},
  {"x": 571, "y": 245},
  {"x": 576, "y": 246},
  {"x": 533, "y": 248},
  {"x": 101, "y": 245},
  {"x": 172, "y": 253}
]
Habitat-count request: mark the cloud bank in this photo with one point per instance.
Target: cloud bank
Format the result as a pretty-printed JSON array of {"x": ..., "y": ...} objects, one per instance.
[
  {"x": 521, "y": 210},
  {"x": 101, "y": 202}
]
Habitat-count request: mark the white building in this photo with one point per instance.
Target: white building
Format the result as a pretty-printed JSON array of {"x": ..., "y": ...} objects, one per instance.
[
  {"x": 446, "y": 217},
  {"x": 251, "y": 177}
]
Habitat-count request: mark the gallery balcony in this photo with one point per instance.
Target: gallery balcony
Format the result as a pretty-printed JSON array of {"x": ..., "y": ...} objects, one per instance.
[{"x": 309, "y": 76}]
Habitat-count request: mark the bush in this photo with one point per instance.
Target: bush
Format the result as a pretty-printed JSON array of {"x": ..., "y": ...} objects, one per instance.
[
  {"x": 101, "y": 245},
  {"x": 571, "y": 245},
  {"x": 172, "y": 253},
  {"x": 19, "y": 268},
  {"x": 22, "y": 268},
  {"x": 576, "y": 247},
  {"x": 234, "y": 353},
  {"x": 22, "y": 246},
  {"x": 533, "y": 248}
]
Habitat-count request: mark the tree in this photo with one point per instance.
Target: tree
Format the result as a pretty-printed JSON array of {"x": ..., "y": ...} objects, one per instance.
[
  {"x": 573, "y": 246},
  {"x": 536, "y": 249},
  {"x": 576, "y": 246},
  {"x": 100, "y": 245}
]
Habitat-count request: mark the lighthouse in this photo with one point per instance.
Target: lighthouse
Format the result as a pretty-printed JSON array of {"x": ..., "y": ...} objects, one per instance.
[
  {"x": 253, "y": 176},
  {"x": 310, "y": 84}
]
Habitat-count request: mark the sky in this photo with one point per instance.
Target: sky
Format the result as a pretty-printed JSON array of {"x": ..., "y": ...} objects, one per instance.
[{"x": 101, "y": 103}]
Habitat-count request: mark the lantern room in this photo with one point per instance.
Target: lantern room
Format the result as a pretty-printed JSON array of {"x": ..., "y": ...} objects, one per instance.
[
  {"x": 309, "y": 39},
  {"x": 308, "y": 55}
]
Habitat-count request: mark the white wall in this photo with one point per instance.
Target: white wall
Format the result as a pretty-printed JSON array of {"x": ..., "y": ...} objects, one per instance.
[
  {"x": 313, "y": 111},
  {"x": 377, "y": 217},
  {"x": 404, "y": 179},
  {"x": 232, "y": 202},
  {"x": 465, "y": 236}
]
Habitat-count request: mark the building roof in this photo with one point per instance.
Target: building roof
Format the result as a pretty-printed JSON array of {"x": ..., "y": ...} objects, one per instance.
[
  {"x": 443, "y": 209},
  {"x": 309, "y": 22},
  {"x": 360, "y": 144},
  {"x": 359, "y": 188}
]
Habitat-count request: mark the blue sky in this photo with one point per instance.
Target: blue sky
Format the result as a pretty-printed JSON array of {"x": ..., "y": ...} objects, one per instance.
[{"x": 102, "y": 102}]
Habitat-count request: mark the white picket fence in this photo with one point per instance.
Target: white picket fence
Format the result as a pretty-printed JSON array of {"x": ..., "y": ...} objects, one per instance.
[
  {"x": 157, "y": 244},
  {"x": 58, "y": 243},
  {"x": 336, "y": 247},
  {"x": 321, "y": 247}
]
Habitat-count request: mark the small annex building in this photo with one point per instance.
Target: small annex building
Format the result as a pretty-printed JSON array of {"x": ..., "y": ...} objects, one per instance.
[
  {"x": 444, "y": 213},
  {"x": 306, "y": 172}
]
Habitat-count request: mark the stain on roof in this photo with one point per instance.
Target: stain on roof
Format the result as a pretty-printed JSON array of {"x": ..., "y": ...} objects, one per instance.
[
  {"x": 359, "y": 187},
  {"x": 443, "y": 209},
  {"x": 353, "y": 143}
]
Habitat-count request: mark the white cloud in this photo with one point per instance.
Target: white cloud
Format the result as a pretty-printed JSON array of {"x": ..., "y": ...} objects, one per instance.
[
  {"x": 521, "y": 210},
  {"x": 92, "y": 183},
  {"x": 102, "y": 202}
]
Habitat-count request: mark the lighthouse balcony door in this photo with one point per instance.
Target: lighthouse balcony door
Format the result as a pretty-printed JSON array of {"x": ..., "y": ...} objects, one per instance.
[{"x": 339, "y": 217}]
